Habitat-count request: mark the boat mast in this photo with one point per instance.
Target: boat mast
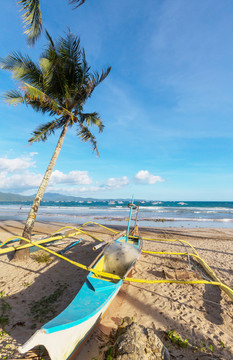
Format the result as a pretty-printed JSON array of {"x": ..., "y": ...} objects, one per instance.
[{"x": 131, "y": 206}]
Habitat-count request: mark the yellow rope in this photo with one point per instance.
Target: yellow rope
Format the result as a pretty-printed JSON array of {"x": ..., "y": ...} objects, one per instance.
[
  {"x": 84, "y": 232},
  {"x": 52, "y": 238},
  {"x": 174, "y": 240},
  {"x": 88, "y": 222},
  {"x": 180, "y": 282},
  {"x": 104, "y": 227},
  {"x": 116, "y": 277},
  {"x": 197, "y": 257},
  {"x": 164, "y": 253},
  {"x": 112, "y": 276}
]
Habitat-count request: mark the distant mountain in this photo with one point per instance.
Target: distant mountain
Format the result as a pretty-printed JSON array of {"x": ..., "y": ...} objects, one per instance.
[
  {"x": 47, "y": 197},
  {"x": 61, "y": 197},
  {"x": 14, "y": 197}
]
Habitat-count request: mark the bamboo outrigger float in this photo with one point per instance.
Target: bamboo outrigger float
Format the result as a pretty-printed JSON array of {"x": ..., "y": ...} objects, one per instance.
[{"x": 65, "y": 333}]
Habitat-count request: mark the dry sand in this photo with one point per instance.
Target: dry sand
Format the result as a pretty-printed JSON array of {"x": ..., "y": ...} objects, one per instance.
[{"x": 202, "y": 314}]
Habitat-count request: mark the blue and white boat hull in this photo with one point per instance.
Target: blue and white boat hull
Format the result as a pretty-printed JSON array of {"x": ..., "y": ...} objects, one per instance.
[{"x": 65, "y": 333}]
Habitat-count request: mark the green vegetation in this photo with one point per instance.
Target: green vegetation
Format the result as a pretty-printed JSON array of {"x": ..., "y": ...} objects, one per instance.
[
  {"x": 211, "y": 348},
  {"x": 3, "y": 334},
  {"x": 32, "y": 17},
  {"x": 109, "y": 354},
  {"x": 222, "y": 344},
  {"x": 43, "y": 310},
  {"x": 176, "y": 339},
  {"x": 4, "y": 309},
  {"x": 203, "y": 346},
  {"x": 42, "y": 257}
]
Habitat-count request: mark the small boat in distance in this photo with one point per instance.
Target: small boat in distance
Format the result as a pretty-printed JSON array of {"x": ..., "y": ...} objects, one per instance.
[{"x": 64, "y": 335}]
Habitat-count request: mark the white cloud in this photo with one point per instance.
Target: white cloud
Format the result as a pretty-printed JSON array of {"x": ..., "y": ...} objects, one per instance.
[
  {"x": 73, "y": 177},
  {"x": 16, "y": 175},
  {"x": 18, "y": 164},
  {"x": 144, "y": 177},
  {"x": 18, "y": 182},
  {"x": 117, "y": 182}
]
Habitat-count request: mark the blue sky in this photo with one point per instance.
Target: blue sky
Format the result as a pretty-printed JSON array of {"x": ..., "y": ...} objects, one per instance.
[{"x": 167, "y": 104}]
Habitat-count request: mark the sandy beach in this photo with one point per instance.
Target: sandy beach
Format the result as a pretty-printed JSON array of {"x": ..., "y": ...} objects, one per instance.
[{"x": 202, "y": 314}]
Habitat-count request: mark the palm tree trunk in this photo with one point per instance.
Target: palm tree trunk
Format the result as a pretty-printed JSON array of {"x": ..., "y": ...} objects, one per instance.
[{"x": 24, "y": 254}]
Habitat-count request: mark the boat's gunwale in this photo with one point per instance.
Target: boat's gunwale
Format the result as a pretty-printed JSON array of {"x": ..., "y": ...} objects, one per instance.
[{"x": 83, "y": 319}]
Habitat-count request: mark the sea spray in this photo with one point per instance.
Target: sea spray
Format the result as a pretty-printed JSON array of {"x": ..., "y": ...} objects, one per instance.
[{"x": 119, "y": 258}]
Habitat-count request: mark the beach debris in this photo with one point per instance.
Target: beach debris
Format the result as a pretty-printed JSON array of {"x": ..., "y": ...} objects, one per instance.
[{"x": 138, "y": 342}]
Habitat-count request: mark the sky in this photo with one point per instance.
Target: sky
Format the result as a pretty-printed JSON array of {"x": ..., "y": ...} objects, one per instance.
[{"x": 167, "y": 104}]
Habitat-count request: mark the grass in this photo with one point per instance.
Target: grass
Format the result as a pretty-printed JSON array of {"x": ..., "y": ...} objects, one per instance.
[
  {"x": 42, "y": 257},
  {"x": 176, "y": 339},
  {"x": 3, "y": 334},
  {"x": 6, "y": 351},
  {"x": 4, "y": 309},
  {"x": 43, "y": 309},
  {"x": 109, "y": 354}
]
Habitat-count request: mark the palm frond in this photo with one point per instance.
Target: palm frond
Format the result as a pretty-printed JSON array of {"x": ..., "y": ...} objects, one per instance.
[
  {"x": 13, "y": 97},
  {"x": 93, "y": 82},
  {"x": 32, "y": 19},
  {"x": 22, "y": 68},
  {"x": 43, "y": 131},
  {"x": 59, "y": 86},
  {"x": 85, "y": 68},
  {"x": 85, "y": 134},
  {"x": 46, "y": 102},
  {"x": 73, "y": 60},
  {"x": 77, "y": 3},
  {"x": 99, "y": 78},
  {"x": 46, "y": 66},
  {"x": 91, "y": 119},
  {"x": 50, "y": 52},
  {"x": 49, "y": 38},
  {"x": 69, "y": 48}
]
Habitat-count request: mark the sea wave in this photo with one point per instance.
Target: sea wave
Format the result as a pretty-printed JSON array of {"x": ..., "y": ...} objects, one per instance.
[
  {"x": 192, "y": 219},
  {"x": 165, "y": 213}
]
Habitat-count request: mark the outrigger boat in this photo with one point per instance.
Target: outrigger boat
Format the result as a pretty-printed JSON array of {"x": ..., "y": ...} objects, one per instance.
[{"x": 64, "y": 335}]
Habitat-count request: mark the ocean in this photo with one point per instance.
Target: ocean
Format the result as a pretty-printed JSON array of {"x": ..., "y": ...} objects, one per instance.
[{"x": 191, "y": 214}]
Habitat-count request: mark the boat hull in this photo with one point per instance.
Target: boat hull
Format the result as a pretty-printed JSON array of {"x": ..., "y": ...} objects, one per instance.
[
  {"x": 64, "y": 334},
  {"x": 61, "y": 344}
]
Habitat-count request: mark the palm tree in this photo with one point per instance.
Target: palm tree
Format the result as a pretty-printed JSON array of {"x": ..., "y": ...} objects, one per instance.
[
  {"x": 32, "y": 17},
  {"x": 59, "y": 85}
]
